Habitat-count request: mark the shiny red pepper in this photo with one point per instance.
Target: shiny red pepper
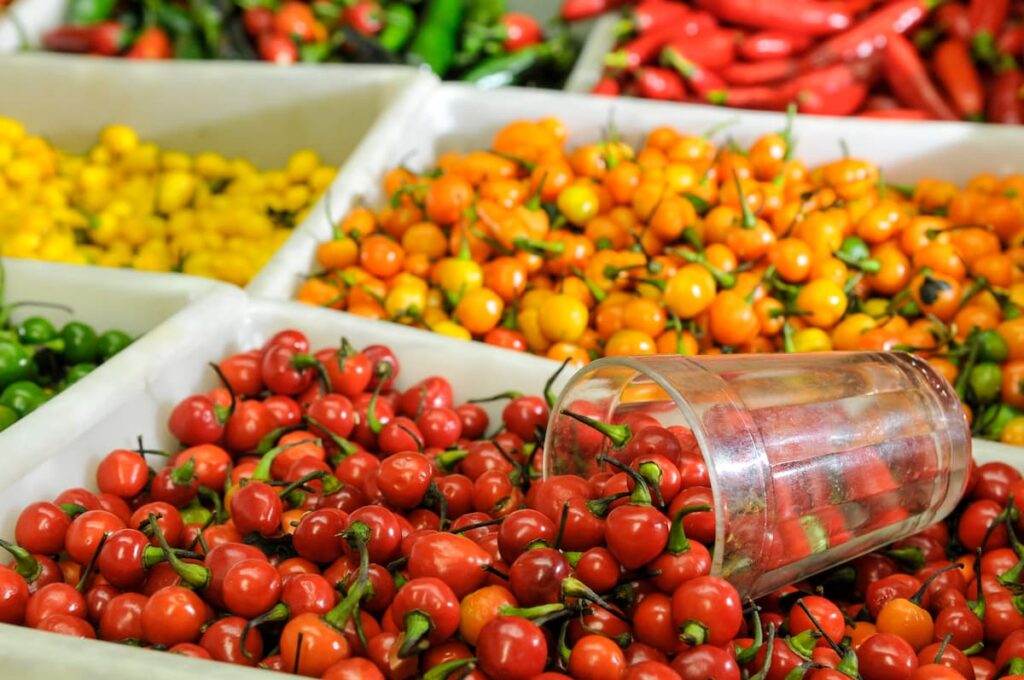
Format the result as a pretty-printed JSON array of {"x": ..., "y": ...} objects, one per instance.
[
  {"x": 838, "y": 90},
  {"x": 869, "y": 36},
  {"x": 956, "y": 71},
  {"x": 1011, "y": 40},
  {"x": 954, "y": 20},
  {"x": 714, "y": 50},
  {"x": 701, "y": 80},
  {"x": 643, "y": 49},
  {"x": 607, "y": 87},
  {"x": 1006, "y": 95},
  {"x": 152, "y": 43},
  {"x": 761, "y": 72},
  {"x": 800, "y": 16},
  {"x": 908, "y": 77},
  {"x": 757, "y": 97},
  {"x": 653, "y": 82},
  {"x": 653, "y": 13},
  {"x": 987, "y": 18},
  {"x": 576, "y": 10},
  {"x": 770, "y": 45},
  {"x": 106, "y": 39}
]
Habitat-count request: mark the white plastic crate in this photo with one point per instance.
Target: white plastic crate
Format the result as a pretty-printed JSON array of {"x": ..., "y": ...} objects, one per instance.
[
  {"x": 25, "y": 21},
  {"x": 149, "y": 307},
  {"x": 458, "y": 118},
  {"x": 240, "y": 109},
  {"x": 137, "y": 399}
]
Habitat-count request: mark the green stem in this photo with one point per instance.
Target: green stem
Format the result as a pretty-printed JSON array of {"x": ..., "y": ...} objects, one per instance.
[
  {"x": 549, "y": 391},
  {"x": 262, "y": 471},
  {"x": 357, "y": 534},
  {"x": 195, "y": 575},
  {"x": 346, "y": 447},
  {"x": 532, "y": 612},
  {"x": 642, "y": 491},
  {"x": 417, "y": 626},
  {"x": 89, "y": 568},
  {"x": 618, "y": 435},
  {"x": 678, "y": 543},
  {"x": 26, "y": 565},
  {"x": 511, "y": 394},
  {"x": 279, "y": 612},
  {"x": 745, "y": 655},
  {"x": 371, "y": 410},
  {"x": 446, "y": 669},
  {"x": 749, "y": 221},
  {"x": 762, "y": 674}
]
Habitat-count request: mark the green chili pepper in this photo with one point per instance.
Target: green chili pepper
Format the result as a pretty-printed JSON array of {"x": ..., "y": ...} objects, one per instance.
[
  {"x": 80, "y": 342},
  {"x": 487, "y": 12},
  {"x": 87, "y": 12},
  {"x": 36, "y": 330},
  {"x": 434, "y": 44},
  {"x": 7, "y": 417},
  {"x": 112, "y": 342},
  {"x": 399, "y": 24},
  {"x": 507, "y": 69},
  {"x": 76, "y": 373},
  {"x": 22, "y": 397},
  {"x": 16, "y": 363}
]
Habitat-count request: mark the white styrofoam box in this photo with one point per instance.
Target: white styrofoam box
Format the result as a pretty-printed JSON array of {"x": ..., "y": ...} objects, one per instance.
[
  {"x": 25, "y": 21},
  {"x": 458, "y": 118},
  {"x": 252, "y": 110},
  {"x": 149, "y": 307},
  {"x": 988, "y": 452},
  {"x": 590, "y": 64},
  {"x": 137, "y": 399}
]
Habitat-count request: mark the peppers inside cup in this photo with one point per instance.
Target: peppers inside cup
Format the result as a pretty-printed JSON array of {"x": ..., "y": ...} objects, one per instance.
[{"x": 813, "y": 459}]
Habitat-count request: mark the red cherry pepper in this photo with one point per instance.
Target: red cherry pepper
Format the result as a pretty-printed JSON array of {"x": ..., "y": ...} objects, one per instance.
[
  {"x": 365, "y": 16},
  {"x": 801, "y": 16},
  {"x": 521, "y": 31}
]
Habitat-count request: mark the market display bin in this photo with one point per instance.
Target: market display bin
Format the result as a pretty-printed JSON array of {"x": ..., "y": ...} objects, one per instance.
[
  {"x": 22, "y": 24},
  {"x": 590, "y": 64},
  {"x": 136, "y": 401},
  {"x": 149, "y": 307},
  {"x": 459, "y": 118},
  {"x": 250, "y": 110}
]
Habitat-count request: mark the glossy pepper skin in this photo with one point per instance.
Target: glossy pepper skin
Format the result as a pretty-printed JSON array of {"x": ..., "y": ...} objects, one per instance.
[{"x": 435, "y": 41}]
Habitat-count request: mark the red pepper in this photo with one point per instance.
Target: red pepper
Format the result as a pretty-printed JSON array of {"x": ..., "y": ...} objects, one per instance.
[
  {"x": 365, "y": 16},
  {"x": 1011, "y": 40},
  {"x": 106, "y": 39},
  {"x": 714, "y": 50},
  {"x": 152, "y": 43},
  {"x": 258, "y": 20},
  {"x": 956, "y": 71},
  {"x": 1006, "y": 95},
  {"x": 701, "y": 80},
  {"x": 575, "y": 10},
  {"x": 838, "y": 90},
  {"x": 881, "y": 102},
  {"x": 909, "y": 80},
  {"x": 987, "y": 18},
  {"x": 607, "y": 87},
  {"x": 800, "y": 16},
  {"x": 954, "y": 20},
  {"x": 653, "y": 13},
  {"x": 643, "y": 49},
  {"x": 761, "y": 72},
  {"x": 895, "y": 114},
  {"x": 654, "y": 82},
  {"x": 868, "y": 37},
  {"x": 762, "y": 98},
  {"x": 277, "y": 49},
  {"x": 768, "y": 45}
]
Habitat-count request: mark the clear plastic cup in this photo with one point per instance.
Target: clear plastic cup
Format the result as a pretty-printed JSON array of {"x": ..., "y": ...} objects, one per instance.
[{"x": 813, "y": 459}]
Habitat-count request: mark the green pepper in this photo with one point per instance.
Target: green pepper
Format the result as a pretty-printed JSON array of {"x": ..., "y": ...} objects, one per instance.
[
  {"x": 80, "y": 342},
  {"x": 486, "y": 12},
  {"x": 995, "y": 418},
  {"x": 76, "y": 373},
  {"x": 507, "y": 69},
  {"x": 22, "y": 397},
  {"x": 434, "y": 44},
  {"x": 36, "y": 330},
  {"x": 112, "y": 342},
  {"x": 88, "y": 12},
  {"x": 16, "y": 363},
  {"x": 7, "y": 418},
  {"x": 399, "y": 24},
  {"x": 992, "y": 347},
  {"x": 986, "y": 380}
]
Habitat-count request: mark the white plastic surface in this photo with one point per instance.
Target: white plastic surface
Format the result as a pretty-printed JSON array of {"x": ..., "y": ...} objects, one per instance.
[
  {"x": 26, "y": 20},
  {"x": 107, "y": 299},
  {"x": 251, "y": 110},
  {"x": 458, "y": 118},
  {"x": 590, "y": 64},
  {"x": 137, "y": 399}
]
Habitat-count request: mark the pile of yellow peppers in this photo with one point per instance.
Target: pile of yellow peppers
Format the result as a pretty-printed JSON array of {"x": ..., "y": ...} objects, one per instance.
[{"x": 129, "y": 203}]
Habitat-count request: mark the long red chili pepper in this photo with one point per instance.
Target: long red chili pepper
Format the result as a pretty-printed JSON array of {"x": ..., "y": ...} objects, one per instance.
[
  {"x": 800, "y": 16},
  {"x": 701, "y": 80},
  {"x": 758, "y": 97},
  {"x": 653, "y": 13},
  {"x": 643, "y": 49},
  {"x": 959, "y": 77},
  {"x": 868, "y": 37},
  {"x": 576, "y": 10},
  {"x": 954, "y": 20},
  {"x": 838, "y": 90},
  {"x": 895, "y": 114},
  {"x": 760, "y": 72},
  {"x": 653, "y": 82},
  {"x": 908, "y": 78},
  {"x": 76, "y": 39},
  {"x": 1006, "y": 103},
  {"x": 841, "y": 101},
  {"x": 987, "y": 18},
  {"x": 1011, "y": 40},
  {"x": 767, "y": 45},
  {"x": 881, "y": 102},
  {"x": 714, "y": 50},
  {"x": 607, "y": 87}
]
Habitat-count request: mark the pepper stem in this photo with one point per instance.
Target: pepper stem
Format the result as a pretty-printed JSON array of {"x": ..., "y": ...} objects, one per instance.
[
  {"x": 919, "y": 595},
  {"x": 446, "y": 669},
  {"x": 262, "y": 471},
  {"x": 745, "y": 655},
  {"x": 194, "y": 575},
  {"x": 511, "y": 394},
  {"x": 618, "y": 435},
  {"x": 678, "y": 543},
  {"x": 346, "y": 447},
  {"x": 749, "y": 221},
  {"x": 417, "y": 626},
  {"x": 642, "y": 492},
  {"x": 80, "y": 586},
  {"x": 573, "y": 587},
  {"x": 279, "y": 612},
  {"x": 374, "y": 423},
  {"x": 222, "y": 413},
  {"x": 26, "y": 565},
  {"x": 357, "y": 534},
  {"x": 549, "y": 392},
  {"x": 769, "y": 653},
  {"x": 532, "y": 612}
]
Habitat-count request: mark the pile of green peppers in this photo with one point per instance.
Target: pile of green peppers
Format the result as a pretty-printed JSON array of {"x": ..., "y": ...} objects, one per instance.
[{"x": 37, "y": 360}]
